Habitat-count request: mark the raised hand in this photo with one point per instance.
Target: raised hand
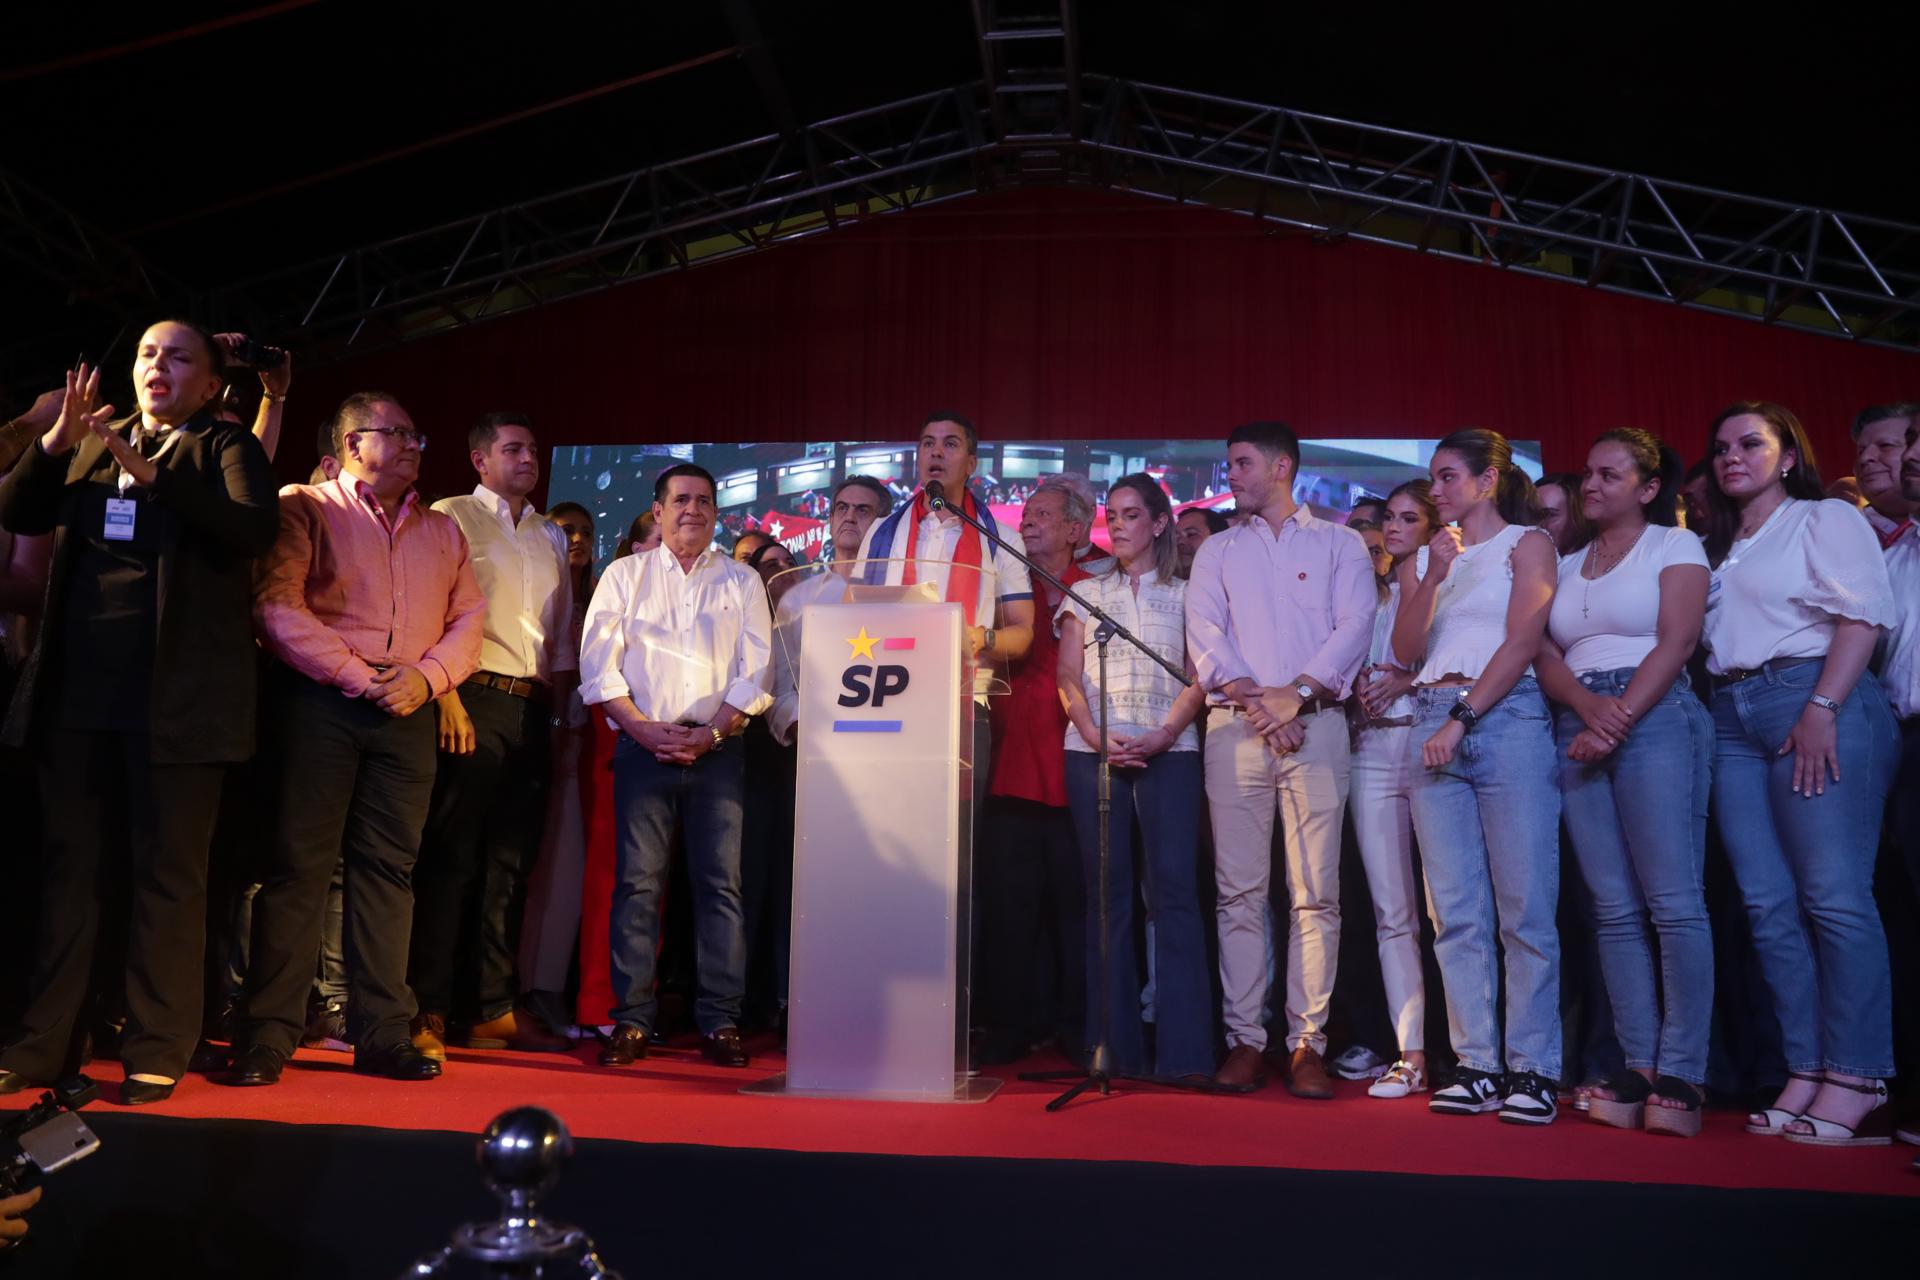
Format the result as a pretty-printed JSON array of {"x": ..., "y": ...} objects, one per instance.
[
  {"x": 79, "y": 414},
  {"x": 1442, "y": 550}
]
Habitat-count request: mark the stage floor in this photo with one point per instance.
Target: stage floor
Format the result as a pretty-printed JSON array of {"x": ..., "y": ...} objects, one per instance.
[{"x": 676, "y": 1097}]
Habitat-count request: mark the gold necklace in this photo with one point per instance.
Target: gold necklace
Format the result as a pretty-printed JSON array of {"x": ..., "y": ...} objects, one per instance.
[{"x": 1595, "y": 556}]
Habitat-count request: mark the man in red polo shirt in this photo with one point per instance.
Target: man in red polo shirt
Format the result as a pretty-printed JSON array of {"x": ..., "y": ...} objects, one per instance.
[{"x": 1026, "y": 868}]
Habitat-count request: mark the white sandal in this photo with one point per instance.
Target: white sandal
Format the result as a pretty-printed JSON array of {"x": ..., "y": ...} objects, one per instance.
[
  {"x": 1401, "y": 1079},
  {"x": 1773, "y": 1121}
]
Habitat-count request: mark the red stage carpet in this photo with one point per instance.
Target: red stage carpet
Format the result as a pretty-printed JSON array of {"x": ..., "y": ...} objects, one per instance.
[{"x": 677, "y": 1097}]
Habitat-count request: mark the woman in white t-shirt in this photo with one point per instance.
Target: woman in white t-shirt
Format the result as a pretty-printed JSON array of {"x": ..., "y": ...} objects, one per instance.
[
  {"x": 1486, "y": 805},
  {"x": 1154, "y": 752},
  {"x": 1636, "y": 770},
  {"x": 1383, "y": 711},
  {"x": 1805, "y": 751}
]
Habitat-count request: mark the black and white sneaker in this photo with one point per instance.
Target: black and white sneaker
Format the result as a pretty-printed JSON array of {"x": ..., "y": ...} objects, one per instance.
[
  {"x": 1472, "y": 1093},
  {"x": 1529, "y": 1100}
]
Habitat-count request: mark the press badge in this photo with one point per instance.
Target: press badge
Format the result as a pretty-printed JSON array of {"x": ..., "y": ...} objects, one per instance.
[{"x": 119, "y": 527}]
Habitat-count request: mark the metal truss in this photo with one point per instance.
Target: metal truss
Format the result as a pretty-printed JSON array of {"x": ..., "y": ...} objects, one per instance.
[
  {"x": 704, "y": 208},
  {"x": 1789, "y": 265},
  {"x": 1793, "y": 266}
]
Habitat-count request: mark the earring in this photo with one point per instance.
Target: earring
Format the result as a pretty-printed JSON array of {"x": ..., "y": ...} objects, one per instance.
[{"x": 1783, "y": 472}]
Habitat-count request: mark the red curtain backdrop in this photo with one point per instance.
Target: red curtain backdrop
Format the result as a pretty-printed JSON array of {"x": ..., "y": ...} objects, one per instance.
[{"x": 1063, "y": 314}]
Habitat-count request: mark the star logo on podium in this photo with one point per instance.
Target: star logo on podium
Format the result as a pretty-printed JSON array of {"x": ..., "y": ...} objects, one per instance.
[{"x": 862, "y": 645}]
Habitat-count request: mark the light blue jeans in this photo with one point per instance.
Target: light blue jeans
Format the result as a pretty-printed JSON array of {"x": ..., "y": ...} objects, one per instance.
[
  {"x": 1489, "y": 829},
  {"x": 1804, "y": 865},
  {"x": 1638, "y": 820}
]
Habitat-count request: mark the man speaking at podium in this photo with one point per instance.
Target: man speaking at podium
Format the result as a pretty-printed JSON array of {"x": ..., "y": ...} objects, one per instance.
[{"x": 921, "y": 544}]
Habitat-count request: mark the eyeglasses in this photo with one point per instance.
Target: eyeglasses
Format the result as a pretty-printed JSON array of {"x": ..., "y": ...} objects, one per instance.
[{"x": 405, "y": 435}]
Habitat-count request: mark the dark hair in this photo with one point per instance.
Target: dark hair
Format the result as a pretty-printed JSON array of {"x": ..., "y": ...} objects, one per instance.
[
  {"x": 481, "y": 435},
  {"x": 1579, "y": 528},
  {"x": 216, "y": 354},
  {"x": 1697, "y": 471},
  {"x": 571, "y": 508},
  {"x": 1367, "y": 500},
  {"x": 885, "y": 506},
  {"x": 1275, "y": 439},
  {"x": 1801, "y": 481},
  {"x": 1166, "y": 553},
  {"x": 1880, "y": 413},
  {"x": 959, "y": 420},
  {"x": 1655, "y": 460},
  {"x": 1365, "y": 524},
  {"x": 1481, "y": 449},
  {"x": 352, "y": 415},
  {"x": 639, "y": 531},
  {"x": 760, "y": 553},
  {"x": 683, "y": 469},
  {"x": 1216, "y": 523}
]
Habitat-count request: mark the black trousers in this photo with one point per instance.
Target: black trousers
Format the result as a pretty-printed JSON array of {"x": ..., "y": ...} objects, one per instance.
[
  {"x": 112, "y": 814},
  {"x": 766, "y": 868},
  {"x": 1031, "y": 969},
  {"x": 481, "y": 842},
  {"x": 356, "y": 786}
]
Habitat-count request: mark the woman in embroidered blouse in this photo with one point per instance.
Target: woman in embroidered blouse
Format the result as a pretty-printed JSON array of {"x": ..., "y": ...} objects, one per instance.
[
  {"x": 1383, "y": 710},
  {"x": 1636, "y": 765},
  {"x": 1154, "y": 751},
  {"x": 1485, "y": 804},
  {"x": 1805, "y": 753}
]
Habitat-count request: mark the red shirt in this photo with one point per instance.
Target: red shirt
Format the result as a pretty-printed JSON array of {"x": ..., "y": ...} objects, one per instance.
[{"x": 1030, "y": 724}]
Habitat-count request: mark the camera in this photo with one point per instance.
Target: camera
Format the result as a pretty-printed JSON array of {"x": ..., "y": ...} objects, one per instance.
[
  {"x": 249, "y": 354},
  {"x": 46, "y": 1137}
]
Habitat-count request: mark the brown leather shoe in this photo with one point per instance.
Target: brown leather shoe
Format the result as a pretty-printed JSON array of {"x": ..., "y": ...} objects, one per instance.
[
  {"x": 724, "y": 1047},
  {"x": 626, "y": 1046},
  {"x": 1307, "y": 1075},
  {"x": 495, "y": 1033},
  {"x": 531, "y": 1037},
  {"x": 1241, "y": 1071},
  {"x": 428, "y": 1031}
]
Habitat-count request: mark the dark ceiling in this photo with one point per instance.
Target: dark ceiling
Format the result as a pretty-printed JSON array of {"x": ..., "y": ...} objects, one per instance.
[{"x": 314, "y": 125}]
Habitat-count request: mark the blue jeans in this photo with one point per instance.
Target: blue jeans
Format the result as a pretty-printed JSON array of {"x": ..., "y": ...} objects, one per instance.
[
  {"x": 1804, "y": 864},
  {"x": 704, "y": 801},
  {"x": 1489, "y": 829},
  {"x": 1638, "y": 819},
  {"x": 1165, "y": 798}
]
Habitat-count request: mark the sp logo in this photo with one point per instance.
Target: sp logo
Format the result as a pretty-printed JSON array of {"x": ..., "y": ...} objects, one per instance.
[{"x": 872, "y": 686}]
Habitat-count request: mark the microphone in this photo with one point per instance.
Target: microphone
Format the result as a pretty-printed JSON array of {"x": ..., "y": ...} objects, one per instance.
[{"x": 936, "y": 495}]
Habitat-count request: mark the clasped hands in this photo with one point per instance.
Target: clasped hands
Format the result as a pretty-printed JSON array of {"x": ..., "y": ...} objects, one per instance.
[
  {"x": 1274, "y": 714},
  {"x": 1608, "y": 721}
]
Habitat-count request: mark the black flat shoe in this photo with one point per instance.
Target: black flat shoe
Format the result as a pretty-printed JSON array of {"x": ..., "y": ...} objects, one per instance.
[
  {"x": 396, "y": 1062},
  {"x": 138, "y": 1093},
  {"x": 14, "y": 1082},
  {"x": 255, "y": 1065}
]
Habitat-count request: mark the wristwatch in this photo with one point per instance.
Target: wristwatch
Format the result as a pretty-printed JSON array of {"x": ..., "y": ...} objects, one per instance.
[
  {"x": 718, "y": 737},
  {"x": 988, "y": 641},
  {"x": 1463, "y": 712},
  {"x": 1305, "y": 691},
  {"x": 1825, "y": 703}
]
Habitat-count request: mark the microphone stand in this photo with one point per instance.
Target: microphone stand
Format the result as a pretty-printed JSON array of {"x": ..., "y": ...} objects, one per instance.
[{"x": 1099, "y": 1073}]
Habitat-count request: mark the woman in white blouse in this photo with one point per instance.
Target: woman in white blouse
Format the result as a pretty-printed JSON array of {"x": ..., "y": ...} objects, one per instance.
[
  {"x": 1805, "y": 753},
  {"x": 1154, "y": 751},
  {"x": 1485, "y": 804},
  {"x": 1636, "y": 769},
  {"x": 1383, "y": 711}
]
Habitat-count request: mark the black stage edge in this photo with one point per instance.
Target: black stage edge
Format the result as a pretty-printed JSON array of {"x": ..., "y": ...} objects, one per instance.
[{"x": 220, "y": 1198}]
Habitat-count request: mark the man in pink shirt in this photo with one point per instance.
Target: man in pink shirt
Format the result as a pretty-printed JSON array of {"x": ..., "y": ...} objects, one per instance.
[
  {"x": 1279, "y": 616},
  {"x": 369, "y": 600}
]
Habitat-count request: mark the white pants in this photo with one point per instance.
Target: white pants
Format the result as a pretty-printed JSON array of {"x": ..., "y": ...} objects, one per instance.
[
  {"x": 1245, "y": 782},
  {"x": 1383, "y": 764}
]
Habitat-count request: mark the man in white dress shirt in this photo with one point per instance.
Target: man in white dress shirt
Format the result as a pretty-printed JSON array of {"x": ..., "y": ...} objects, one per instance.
[
  {"x": 677, "y": 651},
  {"x": 496, "y": 734}
]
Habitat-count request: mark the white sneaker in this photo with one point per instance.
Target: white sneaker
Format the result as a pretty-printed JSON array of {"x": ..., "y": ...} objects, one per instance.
[
  {"x": 1471, "y": 1093},
  {"x": 1401, "y": 1079},
  {"x": 1529, "y": 1100},
  {"x": 1358, "y": 1063}
]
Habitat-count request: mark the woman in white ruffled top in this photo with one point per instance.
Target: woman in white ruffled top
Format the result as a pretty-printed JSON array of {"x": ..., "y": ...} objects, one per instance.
[{"x": 1806, "y": 749}]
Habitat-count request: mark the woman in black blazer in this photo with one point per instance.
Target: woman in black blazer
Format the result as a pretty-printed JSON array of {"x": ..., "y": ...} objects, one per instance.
[{"x": 138, "y": 692}]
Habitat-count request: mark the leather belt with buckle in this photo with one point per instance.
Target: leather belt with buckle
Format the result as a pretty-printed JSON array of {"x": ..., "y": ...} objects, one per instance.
[
  {"x": 518, "y": 686},
  {"x": 1778, "y": 664}
]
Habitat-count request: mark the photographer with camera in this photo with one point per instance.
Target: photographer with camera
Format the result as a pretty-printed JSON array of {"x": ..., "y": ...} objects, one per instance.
[{"x": 275, "y": 367}]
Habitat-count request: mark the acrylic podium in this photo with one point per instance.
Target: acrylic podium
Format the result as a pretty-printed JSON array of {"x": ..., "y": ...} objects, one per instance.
[{"x": 876, "y": 671}]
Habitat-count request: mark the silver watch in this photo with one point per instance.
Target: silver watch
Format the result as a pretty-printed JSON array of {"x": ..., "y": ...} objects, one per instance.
[{"x": 1824, "y": 703}]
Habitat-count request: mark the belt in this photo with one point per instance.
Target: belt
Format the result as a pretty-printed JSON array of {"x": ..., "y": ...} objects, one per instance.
[
  {"x": 1390, "y": 722},
  {"x": 518, "y": 686},
  {"x": 1778, "y": 664},
  {"x": 1314, "y": 706}
]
